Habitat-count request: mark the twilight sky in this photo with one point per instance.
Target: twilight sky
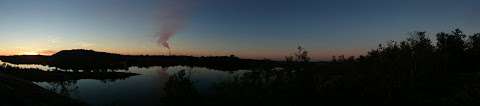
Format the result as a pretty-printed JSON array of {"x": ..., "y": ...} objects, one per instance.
[{"x": 246, "y": 28}]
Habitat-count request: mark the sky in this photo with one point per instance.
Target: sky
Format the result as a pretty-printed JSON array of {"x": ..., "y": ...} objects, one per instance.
[{"x": 246, "y": 28}]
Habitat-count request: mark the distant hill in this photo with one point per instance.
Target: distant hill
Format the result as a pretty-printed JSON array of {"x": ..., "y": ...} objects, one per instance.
[
  {"x": 86, "y": 59},
  {"x": 83, "y": 53}
]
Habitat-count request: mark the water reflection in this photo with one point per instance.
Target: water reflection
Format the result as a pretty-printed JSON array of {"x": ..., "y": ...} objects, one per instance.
[
  {"x": 180, "y": 88},
  {"x": 30, "y": 66},
  {"x": 265, "y": 87},
  {"x": 149, "y": 88},
  {"x": 185, "y": 85},
  {"x": 67, "y": 88}
]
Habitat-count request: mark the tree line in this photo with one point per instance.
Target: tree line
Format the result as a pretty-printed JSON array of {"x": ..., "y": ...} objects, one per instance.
[{"x": 417, "y": 70}]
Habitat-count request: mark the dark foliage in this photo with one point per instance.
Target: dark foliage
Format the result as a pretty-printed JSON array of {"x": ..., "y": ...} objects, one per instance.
[
  {"x": 18, "y": 92},
  {"x": 416, "y": 71}
]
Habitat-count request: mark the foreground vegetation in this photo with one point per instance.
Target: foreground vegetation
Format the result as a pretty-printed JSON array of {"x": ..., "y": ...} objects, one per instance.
[
  {"x": 417, "y": 70},
  {"x": 18, "y": 92}
]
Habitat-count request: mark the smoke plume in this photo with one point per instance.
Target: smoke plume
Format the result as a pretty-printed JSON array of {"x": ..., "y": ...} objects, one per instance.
[{"x": 173, "y": 16}]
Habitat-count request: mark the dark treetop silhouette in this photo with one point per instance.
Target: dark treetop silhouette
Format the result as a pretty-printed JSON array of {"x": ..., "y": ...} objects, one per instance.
[{"x": 414, "y": 71}]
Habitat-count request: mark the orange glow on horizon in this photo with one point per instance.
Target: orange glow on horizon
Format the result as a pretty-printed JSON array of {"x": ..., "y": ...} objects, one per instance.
[
  {"x": 248, "y": 54},
  {"x": 29, "y": 53}
]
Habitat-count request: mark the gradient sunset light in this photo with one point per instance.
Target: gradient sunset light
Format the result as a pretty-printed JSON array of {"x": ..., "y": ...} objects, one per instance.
[{"x": 246, "y": 28}]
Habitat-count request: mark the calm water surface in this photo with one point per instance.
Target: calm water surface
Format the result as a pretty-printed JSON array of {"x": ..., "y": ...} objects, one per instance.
[{"x": 142, "y": 90}]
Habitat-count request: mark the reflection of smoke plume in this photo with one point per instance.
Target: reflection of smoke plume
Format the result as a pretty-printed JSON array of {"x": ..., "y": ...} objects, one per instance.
[{"x": 172, "y": 18}]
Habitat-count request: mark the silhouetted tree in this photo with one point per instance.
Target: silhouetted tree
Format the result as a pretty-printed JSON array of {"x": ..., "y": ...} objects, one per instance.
[
  {"x": 180, "y": 89},
  {"x": 451, "y": 48},
  {"x": 474, "y": 44},
  {"x": 301, "y": 55}
]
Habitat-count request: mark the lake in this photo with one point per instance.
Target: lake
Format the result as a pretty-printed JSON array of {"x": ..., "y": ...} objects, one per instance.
[{"x": 145, "y": 89}]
